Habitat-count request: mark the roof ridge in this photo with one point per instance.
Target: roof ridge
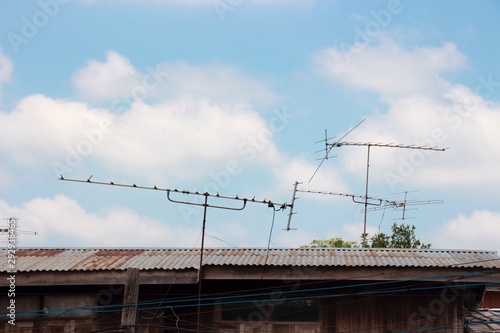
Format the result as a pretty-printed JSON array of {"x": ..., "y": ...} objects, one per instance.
[{"x": 96, "y": 248}]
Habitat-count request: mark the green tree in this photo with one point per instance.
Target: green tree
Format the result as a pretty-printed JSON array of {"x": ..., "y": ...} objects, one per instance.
[
  {"x": 403, "y": 237},
  {"x": 332, "y": 242},
  {"x": 380, "y": 240}
]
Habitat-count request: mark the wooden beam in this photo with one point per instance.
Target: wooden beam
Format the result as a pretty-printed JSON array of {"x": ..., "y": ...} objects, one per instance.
[
  {"x": 155, "y": 277},
  {"x": 130, "y": 298},
  {"x": 113, "y": 277},
  {"x": 458, "y": 275}
]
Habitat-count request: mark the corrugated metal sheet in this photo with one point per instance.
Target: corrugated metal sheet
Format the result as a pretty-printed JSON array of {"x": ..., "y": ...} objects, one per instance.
[
  {"x": 28, "y": 260},
  {"x": 482, "y": 321}
]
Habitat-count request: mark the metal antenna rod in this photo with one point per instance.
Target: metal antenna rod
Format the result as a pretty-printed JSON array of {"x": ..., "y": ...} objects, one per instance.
[
  {"x": 404, "y": 206},
  {"x": 169, "y": 191},
  {"x": 396, "y": 205},
  {"x": 366, "y": 196},
  {"x": 12, "y": 229},
  {"x": 291, "y": 205},
  {"x": 376, "y": 201}
]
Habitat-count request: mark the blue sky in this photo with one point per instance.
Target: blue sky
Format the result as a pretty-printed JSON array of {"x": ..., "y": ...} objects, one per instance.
[{"x": 230, "y": 97}]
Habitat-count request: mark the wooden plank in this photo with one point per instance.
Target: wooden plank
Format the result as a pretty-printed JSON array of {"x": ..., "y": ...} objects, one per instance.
[
  {"x": 100, "y": 278},
  {"x": 350, "y": 273},
  {"x": 130, "y": 298}
]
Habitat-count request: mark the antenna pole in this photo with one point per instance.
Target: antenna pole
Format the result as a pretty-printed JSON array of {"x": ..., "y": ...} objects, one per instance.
[
  {"x": 404, "y": 207},
  {"x": 291, "y": 205},
  {"x": 200, "y": 270},
  {"x": 366, "y": 197}
]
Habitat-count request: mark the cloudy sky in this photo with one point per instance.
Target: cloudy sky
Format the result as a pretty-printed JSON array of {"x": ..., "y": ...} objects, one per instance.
[{"x": 230, "y": 97}]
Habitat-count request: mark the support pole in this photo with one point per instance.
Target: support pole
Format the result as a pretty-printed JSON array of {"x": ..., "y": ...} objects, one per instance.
[
  {"x": 200, "y": 269},
  {"x": 130, "y": 298},
  {"x": 291, "y": 206},
  {"x": 404, "y": 207},
  {"x": 366, "y": 197}
]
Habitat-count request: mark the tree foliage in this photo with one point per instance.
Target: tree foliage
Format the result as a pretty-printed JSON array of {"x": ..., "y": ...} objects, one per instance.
[
  {"x": 332, "y": 242},
  {"x": 403, "y": 236}
]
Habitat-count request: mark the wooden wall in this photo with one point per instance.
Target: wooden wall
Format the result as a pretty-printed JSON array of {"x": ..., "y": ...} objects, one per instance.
[
  {"x": 344, "y": 308},
  {"x": 386, "y": 313}
]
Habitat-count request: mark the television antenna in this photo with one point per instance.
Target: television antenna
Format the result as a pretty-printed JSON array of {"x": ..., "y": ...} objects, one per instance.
[
  {"x": 376, "y": 202},
  {"x": 373, "y": 201},
  {"x": 339, "y": 143},
  {"x": 405, "y": 204},
  {"x": 171, "y": 193},
  {"x": 12, "y": 228}
]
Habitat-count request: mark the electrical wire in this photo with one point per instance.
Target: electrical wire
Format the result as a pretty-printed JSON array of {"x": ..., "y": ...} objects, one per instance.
[
  {"x": 186, "y": 301},
  {"x": 209, "y": 329},
  {"x": 236, "y": 299},
  {"x": 269, "y": 241}
]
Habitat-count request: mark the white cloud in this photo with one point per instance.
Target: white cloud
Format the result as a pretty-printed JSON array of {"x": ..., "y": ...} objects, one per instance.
[
  {"x": 73, "y": 226},
  {"x": 217, "y": 82},
  {"x": 388, "y": 68},
  {"x": 202, "y": 118},
  {"x": 117, "y": 81},
  {"x": 301, "y": 169},
  {"x": 295, "y": 239},
  {"x": 479, "y": 230},
  {"x": 107, "y": 80},
  {"x": 184, "y": 139},
  {"x": 41, "y": 130}
]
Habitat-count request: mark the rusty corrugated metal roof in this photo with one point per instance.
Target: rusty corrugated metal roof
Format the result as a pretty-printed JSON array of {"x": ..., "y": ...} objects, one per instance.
[{"x": 86, "y": 259}]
